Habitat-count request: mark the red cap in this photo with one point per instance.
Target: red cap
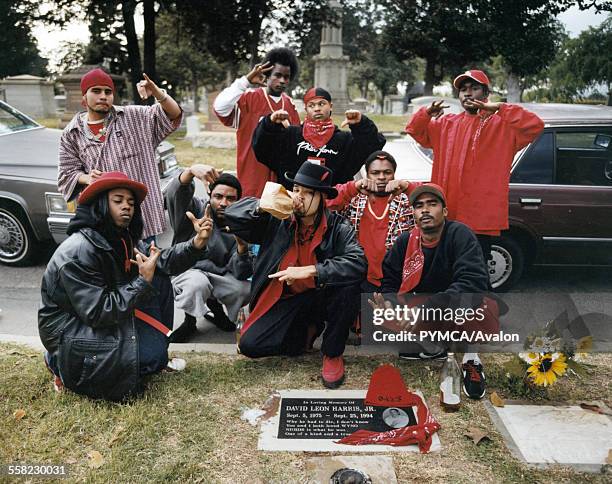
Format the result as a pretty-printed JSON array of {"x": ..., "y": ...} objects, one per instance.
[
  {"x": 96, "y": 77},
  {"x": 427, "y": 188},
  {"x": 478, "y": 76},
  {"x": 316, "y": 93},
  {"x": 110, "y": 180}
]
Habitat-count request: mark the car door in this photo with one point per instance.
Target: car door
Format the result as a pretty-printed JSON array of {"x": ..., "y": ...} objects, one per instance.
[{"x": 562, "y": 189}]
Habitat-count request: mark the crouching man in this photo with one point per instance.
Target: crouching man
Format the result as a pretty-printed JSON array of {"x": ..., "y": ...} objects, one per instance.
[
  {"x": 307, "y": 275},
  {"x": 107, "y": 304},
  {"x": 220, "y": 279}
]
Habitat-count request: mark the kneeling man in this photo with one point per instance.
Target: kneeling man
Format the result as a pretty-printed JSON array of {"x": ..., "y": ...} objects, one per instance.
[
  {"x": 105, "y": 317},
  {"x": 307, "y": 275}
]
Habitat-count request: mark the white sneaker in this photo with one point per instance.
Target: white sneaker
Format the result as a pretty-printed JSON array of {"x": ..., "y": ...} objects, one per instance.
[{"x": 176, "y": 364}]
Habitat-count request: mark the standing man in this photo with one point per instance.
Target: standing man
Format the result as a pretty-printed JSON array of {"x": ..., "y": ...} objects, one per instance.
[
  {"x": 473, "y": 153},
  {"x": 118, "y": 138},
  {"x": 307, "y": 274},
  {"x": 107, "y": 304},
  {"x": 441, "y": 258},
  {"x": 246, "y": 101},
  {"x": 285, "y": 148},
  {"x": 379, "y": 210},
  {"x": 220, "y": 278}
]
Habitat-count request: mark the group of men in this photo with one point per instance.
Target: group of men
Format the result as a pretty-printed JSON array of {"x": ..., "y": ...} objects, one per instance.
[{"x": 323, "y": 239}]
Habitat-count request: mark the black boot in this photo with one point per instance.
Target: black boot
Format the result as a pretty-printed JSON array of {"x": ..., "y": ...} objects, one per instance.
[
  {"x": 219, "y": 318},
  {"x": 185, "y": 331}
]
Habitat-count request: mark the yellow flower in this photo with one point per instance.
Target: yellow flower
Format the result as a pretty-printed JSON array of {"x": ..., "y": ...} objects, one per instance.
[{"x": 545, "y": 370}]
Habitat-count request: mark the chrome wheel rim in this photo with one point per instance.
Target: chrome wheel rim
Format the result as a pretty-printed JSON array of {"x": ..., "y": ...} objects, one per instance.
[
  {"x": 13, "y": 242},
  {"x": 499, "y": 266}
]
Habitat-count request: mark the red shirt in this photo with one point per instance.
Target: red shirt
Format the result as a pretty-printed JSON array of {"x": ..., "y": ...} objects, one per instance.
[
  {"x": 298, "y": 255},
  {"x": 253, "y": 106},
  {"x": 372, "y": 236},
  {"x": 96, "y": 128},
  {"x": 472, "y": 159}
]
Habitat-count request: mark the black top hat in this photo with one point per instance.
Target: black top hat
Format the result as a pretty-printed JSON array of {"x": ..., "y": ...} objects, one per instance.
[{"x": 317, "y": 177}]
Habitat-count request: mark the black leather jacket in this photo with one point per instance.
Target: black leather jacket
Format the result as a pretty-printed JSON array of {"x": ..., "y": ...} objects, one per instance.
[
  {"x": 87, "y": 312},
  {"x": 341, "y": 260}
]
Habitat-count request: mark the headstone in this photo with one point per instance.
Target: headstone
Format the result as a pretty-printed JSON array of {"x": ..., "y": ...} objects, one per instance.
[
  {"x": 313, "y": 420},
  {"x": 213, "y": 123},
  {"x": 361, "y": 104},
  {"x": 72, "y": 87},
  {"x": 331, "y": 64},
  {"x": 193, "y": 126},
  {"x": 30, "y": 94},
  {"x": 555, "y": 434},
  {"x": 394, "y": 105}
]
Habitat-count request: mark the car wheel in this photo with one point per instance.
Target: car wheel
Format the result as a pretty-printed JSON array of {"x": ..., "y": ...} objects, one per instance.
[
  {"x": 506, "y": 264},
  {"x": 17, "y": 242}
]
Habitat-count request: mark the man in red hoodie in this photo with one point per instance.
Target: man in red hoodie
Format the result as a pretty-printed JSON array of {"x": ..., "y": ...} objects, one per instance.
[{"x": 473, "y": 153}]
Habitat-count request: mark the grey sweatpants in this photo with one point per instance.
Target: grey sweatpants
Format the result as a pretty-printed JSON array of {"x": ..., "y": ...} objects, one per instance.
[{"x": 194, "y": 287}]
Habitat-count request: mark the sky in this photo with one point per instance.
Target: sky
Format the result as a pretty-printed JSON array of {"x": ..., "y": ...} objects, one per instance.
[{"x": 49, "y": 40}]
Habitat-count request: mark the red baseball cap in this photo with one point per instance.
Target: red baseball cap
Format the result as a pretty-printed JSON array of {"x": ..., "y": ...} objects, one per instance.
[
  {"x": 478, "y": 76},
  {"x": 427, "y": 188},
  {"x": 110, "y": 180},
  {"x": 96, "y": 77},
  {"x": 316, "y": 93}
]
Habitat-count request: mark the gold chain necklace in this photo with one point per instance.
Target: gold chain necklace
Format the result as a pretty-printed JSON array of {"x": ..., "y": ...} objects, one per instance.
[
  {"x": 384, "y": 214},
  {"x": 270, "y": 103}
]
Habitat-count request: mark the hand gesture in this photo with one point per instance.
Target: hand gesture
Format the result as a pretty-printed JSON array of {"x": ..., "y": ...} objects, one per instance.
[
  {"x": 484, "y": 106},
  {"x": 146, "y": 265},
  {"x": 147, "y": 87},
  {"x": 396, "y": 187},
  {"x": 206, "y": 173},
  {"x": 280, "y": 117},
  {"x": 366, "y": 186},
  {"x": 202, "y": 226},
  {"x": 241, "y": 246},
  {"x": 352, "y": 116},
  {"x": 259, "y": 73},
  {"x": 436, "y": 109},
  {"x": 379, "y": 302},
  {"x": 93, "y": 176},
  {"x": 292, "y": 274}
]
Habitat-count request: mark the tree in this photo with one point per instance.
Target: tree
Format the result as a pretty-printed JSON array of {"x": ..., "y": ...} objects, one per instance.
[
  {"x": 447, "y": 35},
  {"x": 20, "y": 53},
  {"x": 585, "y": 62}
]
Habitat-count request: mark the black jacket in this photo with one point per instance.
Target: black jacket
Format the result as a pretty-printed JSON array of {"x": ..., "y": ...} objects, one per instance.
[
  {"x": 222, "y": 255},
  {"x": 284, "y": 149},
  {"x": 455, "y": 266},
  {"x": 87, "y": 312},
  {"x": 341, "y": 261}
]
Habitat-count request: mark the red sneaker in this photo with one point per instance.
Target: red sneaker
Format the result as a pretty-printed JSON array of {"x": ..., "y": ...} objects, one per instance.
[{"x": 333, "y": 371}]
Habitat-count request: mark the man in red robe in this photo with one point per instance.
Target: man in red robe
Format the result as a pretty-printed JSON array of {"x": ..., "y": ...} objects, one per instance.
[
  {"x": 473, "y": 153},
  {"x": 246, "y": 101},
  {"x": 306, "y": 276}
]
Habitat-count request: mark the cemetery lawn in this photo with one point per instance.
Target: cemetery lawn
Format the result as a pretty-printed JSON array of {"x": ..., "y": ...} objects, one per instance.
[{"x": 187, "y": 427}]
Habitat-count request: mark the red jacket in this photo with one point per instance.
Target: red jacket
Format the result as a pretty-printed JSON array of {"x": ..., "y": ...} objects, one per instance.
[{"x": 472, "y": 159}]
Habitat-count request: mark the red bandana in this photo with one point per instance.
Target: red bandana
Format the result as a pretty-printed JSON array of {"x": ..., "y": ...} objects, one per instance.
[
  {"x": 413, "y": 262},
  {"x": 387, "y": 389},
  {"x": 318, "y": 133}
]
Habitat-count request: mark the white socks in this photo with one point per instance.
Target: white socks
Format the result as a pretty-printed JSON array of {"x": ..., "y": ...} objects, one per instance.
[{"x": 471, "y": 356}]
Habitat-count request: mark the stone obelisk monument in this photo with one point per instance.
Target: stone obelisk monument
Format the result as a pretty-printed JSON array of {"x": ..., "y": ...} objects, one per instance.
[{"x": 331, "y": 64}]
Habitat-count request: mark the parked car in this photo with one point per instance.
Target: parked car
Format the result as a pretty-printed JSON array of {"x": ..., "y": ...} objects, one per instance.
[
  {"x": 32, "y": 211},
  {"x": 560, "y": 193}
]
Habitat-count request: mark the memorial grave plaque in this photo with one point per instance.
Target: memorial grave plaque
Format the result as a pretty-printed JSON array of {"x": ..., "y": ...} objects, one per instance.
[{"x": 312, "y": 420}]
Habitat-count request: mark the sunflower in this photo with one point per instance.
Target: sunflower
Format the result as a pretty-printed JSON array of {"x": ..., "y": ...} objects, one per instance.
[{"x": 547, "y": 368}]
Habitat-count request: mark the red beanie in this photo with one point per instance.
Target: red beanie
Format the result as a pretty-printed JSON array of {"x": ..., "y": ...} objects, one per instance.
[{"x": 96, "y": 77}]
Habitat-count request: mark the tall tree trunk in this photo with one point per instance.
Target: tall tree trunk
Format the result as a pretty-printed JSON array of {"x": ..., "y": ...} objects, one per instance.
[
  {"x": 259, "y": 12},
  {"x": 430, "y": 67},
  {"x": 609, "y": 95},
  {"x": 194, "y": 88},
  {"x": 514, "y": 88},
  {"x": 149, "y": 39},
  {"x": 127, "y": 10}
]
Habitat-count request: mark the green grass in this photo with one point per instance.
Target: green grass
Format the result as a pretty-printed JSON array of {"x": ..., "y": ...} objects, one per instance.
[{"x": 187, "y": 427}]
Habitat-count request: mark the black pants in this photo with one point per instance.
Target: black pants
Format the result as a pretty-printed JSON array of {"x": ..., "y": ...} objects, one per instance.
[
  {"x": 284, "y": 328},
  {"x": 485, "y": 245}
]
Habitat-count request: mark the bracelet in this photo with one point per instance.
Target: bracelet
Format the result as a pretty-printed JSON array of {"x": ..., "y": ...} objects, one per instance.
[{"x": 164, "y": 97}]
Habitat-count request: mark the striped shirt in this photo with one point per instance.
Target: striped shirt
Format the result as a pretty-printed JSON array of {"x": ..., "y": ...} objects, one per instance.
[{"x": 132, "y": 136}]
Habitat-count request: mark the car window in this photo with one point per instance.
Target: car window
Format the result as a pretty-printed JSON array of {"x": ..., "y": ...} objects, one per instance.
[
  {"x": 537, "y": 165},
  {"x": 12, "y": 120},
  {"x": 584, "y": 158}
]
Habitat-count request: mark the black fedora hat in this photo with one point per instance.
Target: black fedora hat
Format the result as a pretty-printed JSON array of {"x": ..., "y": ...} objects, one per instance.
[{"x": 317, "y": 177}]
